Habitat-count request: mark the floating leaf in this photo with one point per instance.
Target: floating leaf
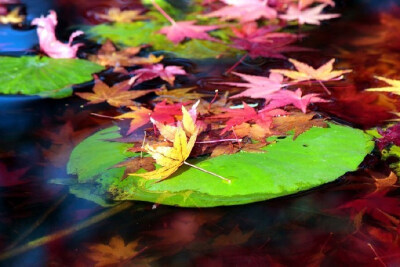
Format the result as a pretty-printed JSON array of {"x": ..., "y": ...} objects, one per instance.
[
  {"x": 318, "y": 156},
  {"x": 139, "y": 33},
  {"x": 44, "y": 76}
]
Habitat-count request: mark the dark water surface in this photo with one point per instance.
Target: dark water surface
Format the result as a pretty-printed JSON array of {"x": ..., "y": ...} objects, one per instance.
[{"x": 330, "y": 226}]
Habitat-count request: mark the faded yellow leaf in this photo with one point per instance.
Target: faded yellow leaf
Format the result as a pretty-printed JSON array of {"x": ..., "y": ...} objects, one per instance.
[
  {"x": 122, "y": 16},
  {"x": 13, "y": 17},
  {"x": 115, "y": 252},
  {"x": 305, "y": 72},
  {"x": 394, "y": 88}
]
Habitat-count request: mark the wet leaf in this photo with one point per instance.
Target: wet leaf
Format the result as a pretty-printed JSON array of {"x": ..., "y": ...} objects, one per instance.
[
  {"x": 394, "y": 88},
  {"x": 114, "y": 253},
  {"x": 11, "y": 178},
  {"x": 167, "y": 73},
  {"x": 137, "y": 163},
  {"x": 122, "y": 16},
  {"x": 117, "y": 95},
  {"x": 305, "y": 72},
  {"x": 44, "y": 76},
  {"x": 235, "y": 238},
  {"x": 311, "y": 15},
  {"x": 297, "y": 122}
]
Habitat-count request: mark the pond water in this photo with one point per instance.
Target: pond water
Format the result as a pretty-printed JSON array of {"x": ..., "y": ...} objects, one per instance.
[{"x": 41, "y": 224}]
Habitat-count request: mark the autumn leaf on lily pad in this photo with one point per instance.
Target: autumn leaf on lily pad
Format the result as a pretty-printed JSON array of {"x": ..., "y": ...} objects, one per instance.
[
  {"x": 245, "y": 11},
  {"x": 159, "y": 70},
  {"x": 170, "y": 158},
  {"x": 180, "y": 30},
  {"x": 257, "y": 86},
  {"x": 394, "y": 87},
  {"x": 311, "y": 15},
  {"x": 188, "y": 123},
  {"x": 117, "y": 95},
  {"x": 238, "y": 116},
  {"x": 114, "y": 253},
  {"x": 134, "y": 164},
  {"x": 297, "y": 122},
  {"x": 122, "y": 16},
  {"x": 13, "y": 17},
  {"x": 46, "y": 30},
  {"x": 296, "y": 98}
]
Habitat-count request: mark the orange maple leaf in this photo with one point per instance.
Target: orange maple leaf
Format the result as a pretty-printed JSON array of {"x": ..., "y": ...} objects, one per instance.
[{"x": 117, "y": 95}]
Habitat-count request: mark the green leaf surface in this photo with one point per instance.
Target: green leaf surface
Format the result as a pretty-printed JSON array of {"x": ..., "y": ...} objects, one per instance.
[
  {"x": 316, "y": 157},
  {"x": 138, "y": 33},
  {"x": 44, "y": 76}
]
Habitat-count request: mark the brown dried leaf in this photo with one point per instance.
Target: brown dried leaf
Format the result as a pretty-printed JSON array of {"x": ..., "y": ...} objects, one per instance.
[
  {"x": 134, "y": 164},
  {"x": 298, "y": 122}
]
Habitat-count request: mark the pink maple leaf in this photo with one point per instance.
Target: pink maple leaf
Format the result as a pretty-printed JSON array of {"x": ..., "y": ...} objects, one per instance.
[
  {"x": 158, "y": 70},
  {"x": 180, "y": 30},
  {"x": 245, "y": 11},
  {"x": 287, "y": 97},
  {"x": 258, "y": 86},
  {"x": 48, "y": 41},
  {"x": 307, "y": 16}
]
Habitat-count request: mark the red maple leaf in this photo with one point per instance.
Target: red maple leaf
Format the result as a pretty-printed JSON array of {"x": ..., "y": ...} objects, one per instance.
[
  {"x": 153, "y": 71},
  {"x": 180, "y": 30},
  {"x": 238, "y": 116},
  {"x": 389, "y": 136},
  {"x": 287, "y": 97},
  {"x": 257, "y": 86}
]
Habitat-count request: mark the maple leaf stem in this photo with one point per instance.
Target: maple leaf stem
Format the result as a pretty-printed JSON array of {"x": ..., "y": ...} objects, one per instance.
[
  {"x": 203, "y": 170},
  {"x": 236, "y": 64},
  {"x": 162, "y": 11},
  {"x": 217, "y": 141},
  {"x": 326, "y": 89},
  {"x": 213, "y": 100},
  {"x": 102, "y": 116},
  {"x": 377, "y": 256}
]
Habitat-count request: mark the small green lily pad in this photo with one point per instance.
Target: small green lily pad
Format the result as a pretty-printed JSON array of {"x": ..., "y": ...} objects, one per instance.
[
  {"x": 288, "y": 166},
  {"x": 44, "y": 76}
]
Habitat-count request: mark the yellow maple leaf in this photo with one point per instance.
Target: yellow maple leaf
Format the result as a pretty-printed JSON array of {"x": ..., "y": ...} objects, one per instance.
[
  {"x": 305, "y": 72},
  {"x": 122, "y": 16},
  {"x": 170, "y": 158},
  {"x": 115, "y": 252},
  {"x": 188, "y": 124},
  {"x": 13, "y": 17},
  {"x": 394, "y": 88}
]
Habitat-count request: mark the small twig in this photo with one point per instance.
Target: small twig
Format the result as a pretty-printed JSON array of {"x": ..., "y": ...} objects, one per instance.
[
  {"x": 217, "y": 141},
  {"x": 213, "y": 100},
  {"x": 237, "y": 139},
  {"x": 203, "y": 170},
  {"x": 168, "y": 17},
  {"x": 236, "y": 64},
  {"x": 377, "y": 258},
  {"x": 102, "y": 116},
  {"x": 37, "y": 223},
  {"x": 65, "y": 232}
]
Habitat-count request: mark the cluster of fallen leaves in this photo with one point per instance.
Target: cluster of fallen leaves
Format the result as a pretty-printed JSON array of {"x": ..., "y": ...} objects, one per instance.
[{"x": 174, "y": 126}]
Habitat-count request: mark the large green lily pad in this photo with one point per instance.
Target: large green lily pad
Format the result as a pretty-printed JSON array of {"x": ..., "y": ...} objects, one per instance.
[
  {"x": 44, "y": 76},
  {"x": 288, "y": 166},
  {"x": 139, "y": 33}
]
